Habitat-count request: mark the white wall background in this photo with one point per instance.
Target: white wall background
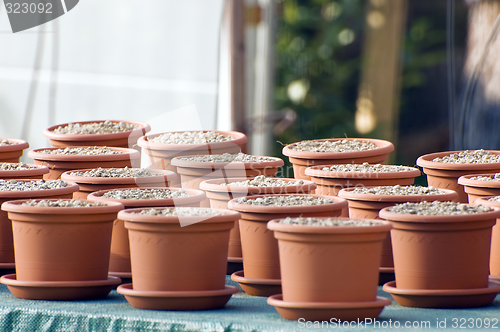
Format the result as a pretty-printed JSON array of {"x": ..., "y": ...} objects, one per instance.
[{"x": 118, "y": 59}]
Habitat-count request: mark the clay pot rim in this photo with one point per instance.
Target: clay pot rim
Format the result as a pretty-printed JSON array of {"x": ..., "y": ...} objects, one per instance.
[
  {"x": 466, "y": 180},
  {"x": 19, "y": 145},
  {"x": 316, "y": 171},
  {"x": 425, "y": 161},
  {"x": 426, "y": 219},
  {"x": 383, "y": 226},
  {"x": 38, "y": 170},
  {"x": 349, "y": 195},
  {"x": 196, "y": 196},
  {"x": 70, "y": 188},
  {"x": 385, "y": 147},
  {"x": 15, "y": 206},
  {"x": 484, "y": 201},
  {"x": 128, "y": 215},
  {"x": 168, "y": 175},
  {"x": 127, "y": 154},
  {"x": 214, "y": 185},
  {"x": 338, "y": 203},
  {"x": 239, "y": 139},
  {"x": 276, "y": 162},
  {"x": 143, "y": 128}
]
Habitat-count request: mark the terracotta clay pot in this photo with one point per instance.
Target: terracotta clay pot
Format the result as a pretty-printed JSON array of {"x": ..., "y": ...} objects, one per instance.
[
  {"x": 161, "y": 154},
  {"x": 124, "y": 139},
  {"x": 441, "y": 251},
  {"x": 303, "y": 159},
  {"x": 259, "y": 247},
  {"x": 59, "y": 163},
  {"x": 220, "y": 194},
  {"x": 6, "y": 244},
  {"x": 12, "y": 153},
  {"x": 61, "y": 243},
  {"x": 90, "y": 184},
  {"x": 445, "y": 175},
  {"x": 329, "y": 263},
  {"x": 495, "y": 237},
  {"x": 119, "y": 262},
  {"x": 476, "y": 188},
  {"x": 34, "y": 172},
  {"x": 167, "y": 256},
  {"x": 367, "y": 206}
]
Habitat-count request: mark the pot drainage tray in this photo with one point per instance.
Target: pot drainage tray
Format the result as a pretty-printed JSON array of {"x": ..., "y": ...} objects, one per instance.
[{"x": 257, "y": 287}]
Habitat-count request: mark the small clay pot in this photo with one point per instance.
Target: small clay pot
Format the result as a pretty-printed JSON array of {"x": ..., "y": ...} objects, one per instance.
[
  {"x": 495, "y": 236},
  {"x": 304, "y": 159},
  {"x": 476, "y": 188},
  {"x": 161, "y": 154},
  {"x": 89, "y": 184},
  {"x": 36, "y": 172},
  {"x": 61, "y": 243},
  {"x": 445, "y": 175},
  {"x": 259, "y": 247},
  {"x": 124, "y": 139},
  {"x": 12, "y": 153},
  {"x": 171, "y": 253},
  {"x": 59, "y": 163}
]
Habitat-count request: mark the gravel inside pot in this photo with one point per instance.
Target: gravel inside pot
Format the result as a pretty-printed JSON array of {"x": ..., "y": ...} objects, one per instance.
[
  {"x": 14, "y": 185},
  {"x": 190, "y": 137},
  {"x": 228, "y": 158},
  {"x": 328, "y": 222},
  {"x": 106, "y": 127},
  {"x": 145, "y": 194},
  {"x": 438, "y": 208},
  {"x": 367, "y": 168},
  {"x": 16, "y": 166},
  {"x": 263, "y": 181},
  {"x": 399, "y": 190},
  {"x": 61, "y": 203},
  {"x": 181, "y": 212},
  {"x": 5, "y": 142},
  {"x": 469, "y": 157},
  {"x": 494, "y": 199},
  {"x": 125, "y": 172},
  {"x": 83, "y": 151},
  {"x": 495, "y": 177},
  {"x": 290, "y": 200},
  {"x": 333, "y": 146}
]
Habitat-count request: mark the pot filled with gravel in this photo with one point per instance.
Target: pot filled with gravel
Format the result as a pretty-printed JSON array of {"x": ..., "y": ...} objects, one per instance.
[
  {"x": 480, "y": 185},
  {"x": 161, "y": 148},
  {"x": 60, "y": 160},
  {"x": 119, "y": 263},
  {"x": 335, "y": 151},
  {"x": 366, "y": 202},
  {"x": 444, "y": 168},
  {"x": 259, "y": 247},
  {"x": 13, "y": 189},
  {"x": 116, "y": 133},
  {"x": 493, "y": 201},
  {"x": 22, "y": 171},
  {"x": 97, "y": 179},
  {"x": 11, "y": 149},
  {"x": 329, "y": 263}
]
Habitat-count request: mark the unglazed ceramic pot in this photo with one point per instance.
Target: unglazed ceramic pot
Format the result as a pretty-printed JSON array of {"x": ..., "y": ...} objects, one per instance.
[
  {"x": 478, "y": 188},
  {"x": 495, "y": 236},
  {"x": 12, "y": 153},
  {"x": 33, "y": 172}
]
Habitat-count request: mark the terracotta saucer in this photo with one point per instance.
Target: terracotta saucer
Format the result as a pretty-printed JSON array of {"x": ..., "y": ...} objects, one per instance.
[
  {"x": 235, "y": 259},
  {"x": 494, "y": 278},
  {"x": 59, "y": 290},
  {"x": 257, "y": 287},
  {"x": 321, "y": 311},
  {"x": 7, "y": 266},
  {"x": 443, "y": 298},
  {"x": 123, "y": 275},
  {"x": 385, "y": 275},
  {"x": 177, "y": 300}
]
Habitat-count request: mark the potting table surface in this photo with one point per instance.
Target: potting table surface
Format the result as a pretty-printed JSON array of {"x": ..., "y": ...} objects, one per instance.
[{"x": 242, "y": 313}]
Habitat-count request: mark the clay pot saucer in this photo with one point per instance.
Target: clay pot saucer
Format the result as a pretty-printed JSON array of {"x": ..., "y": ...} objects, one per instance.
[
  {"x": 257, "y": 287},
  {"x": 477, "y": 188},
  {"x": 324, "y": 311},
  {"x": 177, "y": 300},
  {"x": 59, "y": 290},
  {"x": 443, "y": 298},
  {"x": 12, "y": 153},
  {"x": 34, "y": 173}
]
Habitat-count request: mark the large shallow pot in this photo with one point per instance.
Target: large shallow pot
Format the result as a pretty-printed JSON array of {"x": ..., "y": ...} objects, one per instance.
[
  {"x": 160, "y": 154},
  {"x": 89, "y": 184},
  {"x": 479, "y": 188},
  {"x": 122, "y": 139},
  {"x": 60, "y": 163},
  {"x": 26, "y": 171},
  {"x": 11, "y": 153},
  {"x": 445, "y": 175},
  {"x": 495, "y": 236},
  {"x": 303, "y": 159}
]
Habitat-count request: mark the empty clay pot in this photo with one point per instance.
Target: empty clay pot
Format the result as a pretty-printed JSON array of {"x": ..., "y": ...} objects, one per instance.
[
  {"x": 478, "y": 188},
  {"x": 12, "y": 153}
]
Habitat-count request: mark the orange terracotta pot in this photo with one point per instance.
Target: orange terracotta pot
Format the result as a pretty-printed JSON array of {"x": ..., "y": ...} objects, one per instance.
[
  {"x": 160, "y": 155},
  {"x": 329, "y": 263},
  {"x": 259, "y": 247},
  {"x": 59, "y": 164},
  {"x": 61, "y": 243},
  {"x": 36, "y": 172},
  {"x": 168, "y": 257},
  {"x": 90, "y": 184},
  {"x": 441, "y": 251},
  {"x": 12, "y": 153},
  {"x": 368, "y": 206},
  {"x": 220, "y": 194},
  {"x": 303, "y": 159},
  {"x": 495, "y": 237},
  {"x": 445, "y": 175},
  {"x": 124, "y": 139},
  {"x": 476, "y": 188},
  {"x": 119, "y": 262},
  {"x": 6, "y": 240}
]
